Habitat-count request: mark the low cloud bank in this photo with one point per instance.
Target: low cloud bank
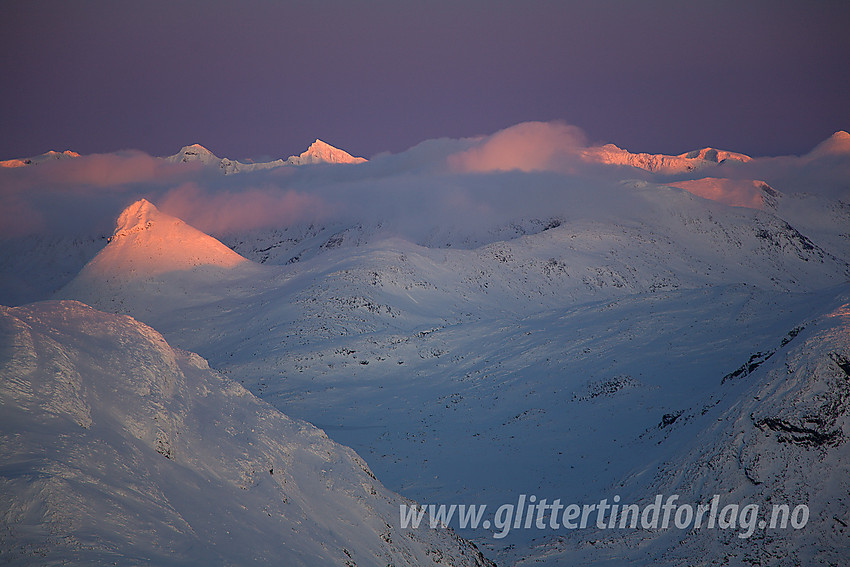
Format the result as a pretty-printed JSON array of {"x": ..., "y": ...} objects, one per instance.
[{"x": 531, "y": 170}]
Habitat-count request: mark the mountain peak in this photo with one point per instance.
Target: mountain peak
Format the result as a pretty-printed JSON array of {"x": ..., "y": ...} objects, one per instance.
[
  {"x": 322, "y": 152},
  {"x": 148, "y": 242},
  {"x": 319, "y": 145},
  {"x": 138, "y": 216},
  {"x": 837, "y": 144},
  {"x": 194, "y": 152},
  {"x": 148, "y": 248}
]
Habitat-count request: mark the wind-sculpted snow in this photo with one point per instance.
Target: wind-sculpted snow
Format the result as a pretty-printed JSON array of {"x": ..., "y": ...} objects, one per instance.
[{"x": 116, "y": 448}]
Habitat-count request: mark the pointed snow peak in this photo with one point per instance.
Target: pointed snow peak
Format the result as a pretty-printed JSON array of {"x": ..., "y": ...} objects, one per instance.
[
  {"x": 322, "y": 152},
  {"x": 146, "y": 244},
  {"x": 197, "y": 148},
  {"x": 319, "y": 145},
  {"x": 838, "y": 143},
  {"x": 138, "y": 216}
]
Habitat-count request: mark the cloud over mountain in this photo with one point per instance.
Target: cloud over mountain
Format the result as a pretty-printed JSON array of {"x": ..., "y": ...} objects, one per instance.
[
  {"x": 530, "y": 146},
  {"x": 468, "y": 184}
]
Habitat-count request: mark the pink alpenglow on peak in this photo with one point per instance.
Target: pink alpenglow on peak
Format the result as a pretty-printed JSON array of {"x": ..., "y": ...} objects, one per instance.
[
  {"x": 318, "y": 152},
  {"x": 837, "y": 144},
  {"x": 153, "y": 262},
  {"x": 147, "y": 243},
  {"x": 322, "y": 152},
  {"x": 611, "y": 154},
  {"x": 47, "y": 156}
]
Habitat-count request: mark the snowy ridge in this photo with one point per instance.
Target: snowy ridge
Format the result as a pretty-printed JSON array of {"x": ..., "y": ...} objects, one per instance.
[
  {"x": 45, "y": 157},
  {"x": 318, "y": 152},
  {"x": 118, "y": 448},
  {"x": 194, "y": 153},
  {"x": 659, "y": 163},
  {"x": 197, "y": 153}
]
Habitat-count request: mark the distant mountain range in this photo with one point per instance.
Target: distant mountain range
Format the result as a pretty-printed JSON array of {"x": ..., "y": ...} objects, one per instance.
[
  {"x": 318, "y": 152},
  {"x": 610, "y": 154}
]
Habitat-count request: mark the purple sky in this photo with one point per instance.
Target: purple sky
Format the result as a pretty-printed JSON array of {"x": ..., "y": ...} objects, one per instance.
[{"x": 263, "y": 78}]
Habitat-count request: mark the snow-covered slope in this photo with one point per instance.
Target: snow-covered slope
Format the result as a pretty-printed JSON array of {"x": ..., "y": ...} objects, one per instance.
[
  {"x": 669, "y": 240},
  {"x": 117, "y": 449},
  {"x": 750, "y": 193},
  {"x": 775, "y": 433}
]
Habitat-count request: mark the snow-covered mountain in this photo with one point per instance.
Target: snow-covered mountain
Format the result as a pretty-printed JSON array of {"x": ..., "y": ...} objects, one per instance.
[
  {"x": 156, "y": 256},
  {"x": 45, "y": 157},
  {"x": 194, "y": 153},
  {"x": 659, "y": 163},
  {"x": 118, "y": 449},
  {"x": 564, "y": 330},
  {"x": 318, "y": 152},
  {"x": 837, "y": 144},
  {"x": 147, "y": 243},
  {"x": 321, "y": 152},
  {"x": 197, "y": 153}
]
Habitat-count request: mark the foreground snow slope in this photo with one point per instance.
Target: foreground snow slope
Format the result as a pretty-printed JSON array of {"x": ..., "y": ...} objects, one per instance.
[
  {"x": 775, "y": 432},
  {"x": 116, "y": 448}
]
